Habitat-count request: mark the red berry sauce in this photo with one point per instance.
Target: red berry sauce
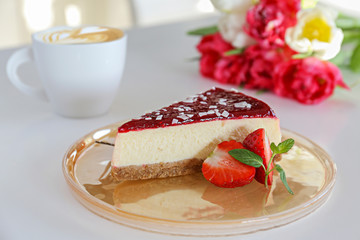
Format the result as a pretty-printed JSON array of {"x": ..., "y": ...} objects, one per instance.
[{"x": 214, "y": 104}]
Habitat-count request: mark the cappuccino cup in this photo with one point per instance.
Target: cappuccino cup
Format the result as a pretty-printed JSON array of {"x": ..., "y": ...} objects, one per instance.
[{"x": 80, "y": 68}]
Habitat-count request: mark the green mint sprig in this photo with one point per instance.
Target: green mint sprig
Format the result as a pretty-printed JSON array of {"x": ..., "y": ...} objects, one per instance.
[{"x": 252, "y": 159}]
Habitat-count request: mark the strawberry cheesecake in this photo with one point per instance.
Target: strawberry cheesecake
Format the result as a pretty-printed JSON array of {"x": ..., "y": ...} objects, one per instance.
[{"x": 175, "y": 140}]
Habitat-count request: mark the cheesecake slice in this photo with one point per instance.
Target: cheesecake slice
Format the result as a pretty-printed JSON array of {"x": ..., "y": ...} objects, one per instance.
[{"x": 175, "y": 140}]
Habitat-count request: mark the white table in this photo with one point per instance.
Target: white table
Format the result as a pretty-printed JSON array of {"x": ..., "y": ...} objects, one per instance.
[{"x": 36, "y": 203}]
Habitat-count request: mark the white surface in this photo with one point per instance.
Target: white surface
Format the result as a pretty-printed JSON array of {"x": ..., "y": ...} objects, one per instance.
[{"x": 37, "y": 204}]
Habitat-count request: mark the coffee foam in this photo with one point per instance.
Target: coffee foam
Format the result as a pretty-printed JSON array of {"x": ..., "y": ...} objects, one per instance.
[{"x": 88, "y": 34}]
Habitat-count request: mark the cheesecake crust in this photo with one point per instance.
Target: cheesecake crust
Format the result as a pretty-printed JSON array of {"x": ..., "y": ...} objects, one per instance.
[{"x": 157, "y": 170}]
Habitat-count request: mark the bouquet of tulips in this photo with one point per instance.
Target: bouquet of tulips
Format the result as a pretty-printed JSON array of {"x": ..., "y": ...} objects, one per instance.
[{"x": 289, "y": 47}]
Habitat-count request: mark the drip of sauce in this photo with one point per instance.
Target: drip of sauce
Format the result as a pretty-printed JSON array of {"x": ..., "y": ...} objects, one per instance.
[{"x": 83, "y": 35}]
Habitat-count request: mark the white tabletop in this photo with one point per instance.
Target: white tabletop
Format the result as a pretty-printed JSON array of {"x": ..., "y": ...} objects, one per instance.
[{"x": 36, "y": 202}]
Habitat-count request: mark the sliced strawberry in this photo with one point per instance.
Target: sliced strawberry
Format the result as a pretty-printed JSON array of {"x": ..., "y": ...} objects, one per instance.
[
  {"x": 223, "y": 170},
  {"x": 258, "y": 143}
]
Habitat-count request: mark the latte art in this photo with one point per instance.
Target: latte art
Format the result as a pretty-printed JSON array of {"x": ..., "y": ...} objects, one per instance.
[{"x": 82, "y": 35}]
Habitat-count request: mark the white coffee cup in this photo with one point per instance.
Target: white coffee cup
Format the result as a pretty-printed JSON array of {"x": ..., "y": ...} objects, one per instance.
[{"x": 80, "y": 77}]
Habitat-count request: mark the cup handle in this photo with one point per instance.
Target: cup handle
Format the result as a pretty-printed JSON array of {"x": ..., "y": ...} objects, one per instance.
[{"x": 16, "y": 59}]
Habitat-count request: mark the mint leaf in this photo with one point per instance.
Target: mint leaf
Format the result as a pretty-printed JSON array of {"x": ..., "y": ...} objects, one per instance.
[
  {"x": 355, "y": 59},
  {"x": 235, "y": 51},
  {"x": 274, "y": 148},
  {"x": 286, "y": 145},
  {"x": 247, "y": 157},
  {"x": 283, "y": 178},
  {"x": 204, "y": 31}
]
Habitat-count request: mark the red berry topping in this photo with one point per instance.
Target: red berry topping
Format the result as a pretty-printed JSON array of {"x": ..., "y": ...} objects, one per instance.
[{"x": 214, "y": 104}]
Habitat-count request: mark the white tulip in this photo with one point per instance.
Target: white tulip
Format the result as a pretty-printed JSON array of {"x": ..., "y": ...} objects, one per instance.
[
  {"x": 232, "y": 21},
  {"x": 315, "y": 33},
  {"x": 231, "y": 29},
  {"x": 232, "y": 6}
]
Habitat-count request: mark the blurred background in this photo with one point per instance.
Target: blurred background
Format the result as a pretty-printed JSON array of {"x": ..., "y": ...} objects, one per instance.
[{"x": 20, "y": 18}]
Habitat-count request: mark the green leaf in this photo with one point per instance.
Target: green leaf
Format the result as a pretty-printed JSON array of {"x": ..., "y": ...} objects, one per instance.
[
  {"x": 342, "y": 58},
  {"x": 308, "y": 4},
  {"x": 274, "y": 148},
  {"x": 235, "y": 51},
  {"x": 247, "y": 157},
  {"x": 193, "y": 59},
  {"x": 204, "y": 31},
  {"x": 283, "y": 178},
  {"x": 302, "y": 55},
  {"x": 346, "y": 22},
  {"x": 261, "y": 91},
  {"x": 351, "y": 36},
  {"x": 286, "y": 145},
  {"x": 355, "y": 59}
]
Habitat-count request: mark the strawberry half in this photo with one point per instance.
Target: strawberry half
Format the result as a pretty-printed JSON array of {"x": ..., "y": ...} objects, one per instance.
[
  {"x": 258, "y": 143},
  {"x": 223, "y": 170}
]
